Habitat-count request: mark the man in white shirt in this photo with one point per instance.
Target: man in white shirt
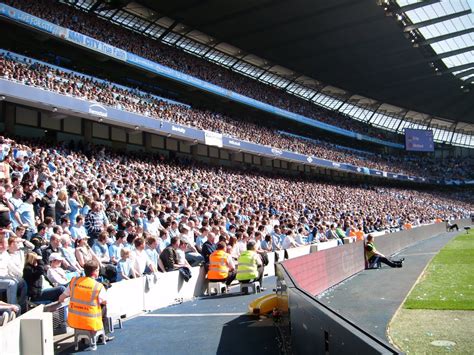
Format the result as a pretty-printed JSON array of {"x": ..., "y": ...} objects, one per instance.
[
  {"x": 289, "y": 241},
  {"x": 140, "y": 258},
  {"x": 150, "y": 249},
  {"x": 9, "y": 279}
]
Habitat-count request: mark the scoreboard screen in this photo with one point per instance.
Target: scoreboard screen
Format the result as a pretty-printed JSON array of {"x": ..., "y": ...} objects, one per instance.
[{"x": 419, "y": 140}]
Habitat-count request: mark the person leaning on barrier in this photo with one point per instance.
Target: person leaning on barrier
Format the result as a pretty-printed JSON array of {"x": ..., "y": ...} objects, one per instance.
[
  {"x": 374, "y": 257},
  {"x": 450, "y": 226},
  {"x": 250, "y": 266},
  {"x": 88, "y": 300},
  {"x": 221, "y": 266}
]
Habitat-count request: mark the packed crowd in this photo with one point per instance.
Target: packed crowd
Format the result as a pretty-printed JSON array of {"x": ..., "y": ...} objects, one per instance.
[
  {"x": 33, "y": 73},
  {"x": 86, "y": 23},
  {"x": 135, "y": 213}
]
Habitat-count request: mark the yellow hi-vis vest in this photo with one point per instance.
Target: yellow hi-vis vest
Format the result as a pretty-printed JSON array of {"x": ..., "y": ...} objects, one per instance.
[
  {"x": 218, "y": 269},
  {"x": 370, "y": 250},
  {"x": 84, "y": 308},
  {"x": 247, "y": 268}
]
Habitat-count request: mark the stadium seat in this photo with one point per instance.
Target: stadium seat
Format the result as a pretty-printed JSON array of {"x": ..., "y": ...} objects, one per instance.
[
  {"x": 246, "y": 287},
  {"x": 216, "y": 288},
  {"x": 91, "y": 338}
]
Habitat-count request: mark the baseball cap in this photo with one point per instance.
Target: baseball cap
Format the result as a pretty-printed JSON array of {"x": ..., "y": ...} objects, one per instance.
[
  {"x": 81, "y": 237},
  {"x": 55, "y": 256}
]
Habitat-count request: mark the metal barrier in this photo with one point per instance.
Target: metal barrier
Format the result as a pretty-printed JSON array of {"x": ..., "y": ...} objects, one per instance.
[{"x": 313, "y": 328}]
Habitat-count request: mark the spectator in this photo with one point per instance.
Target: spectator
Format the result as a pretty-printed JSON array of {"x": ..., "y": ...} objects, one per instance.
[
  {"x": 150, "y": 249},
  {"x": 79, "y": 230},
  {"x": 69, "y": 255},
  {"x": 5, "y": 208},
  {"x": 34, "y": 274},
  {"x": 289, "y": 241},
  {"x": 140, "y": 258},
  {"x": 27, "y": 216},
  {"x": 48, "y": 204},
  {"x": 208, "y": 248},
  {"x": 125, "y": 270},
  {"x": 62, "y": 206},
  {"x": 10, "y": 278},
  {"x": 94, "y": 222},
  {"x": 169, "y": 256},
  {"x": 53, "y": 247},
  {"x": 116, "y": 247},
  {"x": 56, "y": 274}
]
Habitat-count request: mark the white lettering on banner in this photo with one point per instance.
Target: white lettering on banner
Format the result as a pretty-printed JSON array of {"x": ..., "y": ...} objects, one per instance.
[
  {"x": 277, "y": 151},
  {"x": 309, "y": 159},
  {"x": 178, "y": 129},
  {"x": 234, "y": 143},
  {"x": 337, "y": 165},
  {"x": 96, "y": 45},
  {"x": 98, "y": 110},
  {"x": 359, "y": 170},
  {"x": 384, "y": 174},
  {"x": 395, "y": 176}
]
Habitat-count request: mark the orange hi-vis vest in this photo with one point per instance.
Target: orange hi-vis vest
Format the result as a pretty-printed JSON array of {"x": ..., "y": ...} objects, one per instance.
[
  {"x": 360, "y": 235},
  {"x": 218, "y": 269},
  {"x": 84, "y": 308}
]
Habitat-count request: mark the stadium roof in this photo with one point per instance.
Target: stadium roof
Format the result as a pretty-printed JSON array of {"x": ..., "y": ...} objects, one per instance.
[{"x": 393, "y": 64}]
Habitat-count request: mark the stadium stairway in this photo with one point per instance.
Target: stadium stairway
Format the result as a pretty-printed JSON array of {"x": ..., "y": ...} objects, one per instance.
[
  {"x": 371, "y": 297},
  {"x": 207, "y": 325}
]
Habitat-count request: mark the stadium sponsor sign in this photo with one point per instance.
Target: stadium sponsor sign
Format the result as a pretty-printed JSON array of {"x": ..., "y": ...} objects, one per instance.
[
  {"x": 29, "y": 20},
  {"x": 178, "y": 129},
  {"x": 276, "y": 151},
  {"x": 95, "y": 45},
  {"x": 98, "y": 110},
  {"x": 213, "y": 138}
]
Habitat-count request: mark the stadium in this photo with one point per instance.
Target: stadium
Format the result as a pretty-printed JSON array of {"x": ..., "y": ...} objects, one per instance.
[{"x": 235, "y": 178}]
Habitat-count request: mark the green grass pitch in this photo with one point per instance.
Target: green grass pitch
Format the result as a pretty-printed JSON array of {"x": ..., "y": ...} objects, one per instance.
[{"x": 448, "y": 282}]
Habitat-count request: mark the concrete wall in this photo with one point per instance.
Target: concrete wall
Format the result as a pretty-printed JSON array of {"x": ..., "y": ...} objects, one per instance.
[
  {"x": 32, "y": 333},
  {"x": 389, "y": 244}
]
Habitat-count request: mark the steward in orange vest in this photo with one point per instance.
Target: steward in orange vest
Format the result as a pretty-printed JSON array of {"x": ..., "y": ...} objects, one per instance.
[
  {"x": 84, "y": 307},
  {"x": 87, "y": 300},
  {"x": 221, "y": 266}
]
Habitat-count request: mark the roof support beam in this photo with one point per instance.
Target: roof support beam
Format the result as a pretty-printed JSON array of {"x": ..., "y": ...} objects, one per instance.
[
  {"x": 95, "y": 6},
  {"x": 111, "y": 17},
  {"x": 151, "y": 24},
  {"x": 457, "y": 68},
  {"x": 452, "y": 53},
  {"x": 435, "y": 20},
  {"x": 444, "y": 37},
  {"x": 464, "y": 73},
  {"x": 168, "y": 30},
  {"x": 416, "y": 5}
]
